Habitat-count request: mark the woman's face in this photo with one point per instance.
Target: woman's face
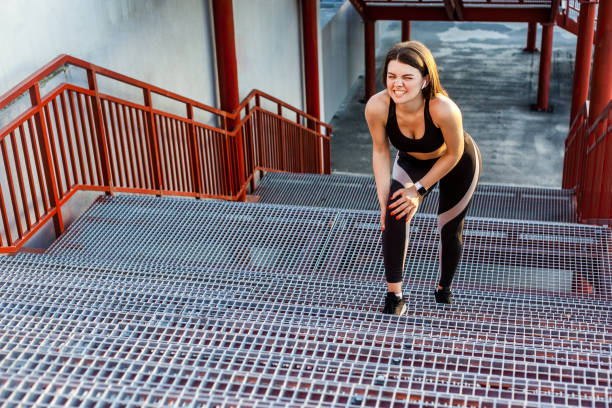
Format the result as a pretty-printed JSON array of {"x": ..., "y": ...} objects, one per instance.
[{"x": 404, "y": 82}]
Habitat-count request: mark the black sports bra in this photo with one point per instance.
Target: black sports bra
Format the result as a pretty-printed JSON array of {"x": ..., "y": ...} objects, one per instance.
[{"x": 431, "y": 141}]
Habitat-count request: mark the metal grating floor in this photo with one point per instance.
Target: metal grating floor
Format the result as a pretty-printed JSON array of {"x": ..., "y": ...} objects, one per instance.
[
  {"x": 147, "y": 301},
  {"x": 359, "y": 193}
]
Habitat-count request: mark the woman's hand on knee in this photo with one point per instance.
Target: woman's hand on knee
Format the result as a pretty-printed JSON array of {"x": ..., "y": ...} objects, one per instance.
[{"x": 405, "y": 203}]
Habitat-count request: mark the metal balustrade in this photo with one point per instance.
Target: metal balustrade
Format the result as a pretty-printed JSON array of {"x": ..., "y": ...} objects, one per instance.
[
  {"x": 585, "y": 169},
  {"x": 79, "y": 138}
]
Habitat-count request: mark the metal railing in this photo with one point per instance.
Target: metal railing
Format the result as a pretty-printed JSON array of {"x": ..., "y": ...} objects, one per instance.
[
  {"x": 587, "y": 167},
  {"x": 78, "y": 138},
  {"x": 301, "y": 145},
  {"x": 575, "y": 150},
  {"x": 568, "y": 17}
]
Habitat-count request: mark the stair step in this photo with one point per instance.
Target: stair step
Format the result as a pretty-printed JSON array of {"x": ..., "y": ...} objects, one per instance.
[
  {"x": 363, "y": 292},
  {"x": 359, "y": 193},
  {"x": 511, "y": 256}
]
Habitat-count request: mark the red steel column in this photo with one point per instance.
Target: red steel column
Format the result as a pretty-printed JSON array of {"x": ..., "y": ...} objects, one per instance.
[
  {"x": 311, "y": 56},
  {"x": 223, "y": 16},
  {"x": 227, "y": 71},
  {"x": 532, "y": 33},
  {"x": 405, "y": 30},
  {"x": 601, "y": 89},
  {"x": 370, "y": 59},
  {"x": 545, "y": 63},
  {"x": 584, "y": 47}
]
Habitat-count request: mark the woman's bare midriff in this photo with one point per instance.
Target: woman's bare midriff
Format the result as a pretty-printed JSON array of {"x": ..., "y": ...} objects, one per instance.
[{"x": 429, "y": 155}]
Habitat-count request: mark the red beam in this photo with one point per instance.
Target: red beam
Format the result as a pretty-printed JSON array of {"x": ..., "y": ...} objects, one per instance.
[
  {"x": 518, "y": 14},
  {"x": 405, "y": 13},
  {"x": 432, "y": 13},
  {"x": 311, "y": 56},
  {"x": 582, "y": 66},
  {"x": 601, "y": 88}
]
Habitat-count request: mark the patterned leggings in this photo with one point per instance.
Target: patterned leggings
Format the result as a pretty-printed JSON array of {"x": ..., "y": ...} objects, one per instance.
[{"x": 456, "y": 191}]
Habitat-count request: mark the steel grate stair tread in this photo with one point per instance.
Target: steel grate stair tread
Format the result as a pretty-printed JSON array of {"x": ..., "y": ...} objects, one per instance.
[
  {"x": 279, "y": 305},
  {"x": 158, "y": 351},
  {"x": 268, "y": 287},
  {"x": 359, "y": 192}
]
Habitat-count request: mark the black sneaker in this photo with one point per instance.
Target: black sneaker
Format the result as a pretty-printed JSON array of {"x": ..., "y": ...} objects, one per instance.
[
  {"x": 394, "y": 305},
  {"x": 444, "y": 296}
]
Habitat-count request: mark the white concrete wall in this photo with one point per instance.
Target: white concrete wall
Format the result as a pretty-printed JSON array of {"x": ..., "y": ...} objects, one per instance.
[
  {"x": 342, "y": 42},
  {"x": 268, "y": 37},
  {"x": 167, "y": 43}
]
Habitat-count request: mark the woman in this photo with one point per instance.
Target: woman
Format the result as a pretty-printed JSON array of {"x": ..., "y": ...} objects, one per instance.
[{"x": 424, "y": 124}]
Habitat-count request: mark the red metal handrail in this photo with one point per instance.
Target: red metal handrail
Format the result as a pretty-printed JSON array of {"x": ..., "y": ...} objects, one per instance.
[
  {"x": 587, "y": 166},
  {"x": 595, "y": 205},
  {"x": 77, "y": 138}
]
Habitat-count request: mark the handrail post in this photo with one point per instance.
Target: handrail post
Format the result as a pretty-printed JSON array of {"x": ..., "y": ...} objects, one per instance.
[
  {"x": 580, "y": 172},
  {"x": 240, "y": 179},
  {"x": 301, "y": 150},
  {"x": 100, "y": 132},
  {"x": 260, "y": 134},
  {"x": 250, "y": 148},
  {"x": 282, "y": 136},
  {"x": 45, "y": 153},
  {"x": 152, "y": 142},
  {"x": 327, "y": 169},
  {"x": 193, "y": 152},
  {"x": 319, "y": 139},
  {"x": 228, "y": 170}
]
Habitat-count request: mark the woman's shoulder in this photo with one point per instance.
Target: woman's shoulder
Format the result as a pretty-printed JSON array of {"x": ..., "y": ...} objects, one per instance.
[
  {"x": 377, "y": 107},
  {"x": 442, "y": 107}
]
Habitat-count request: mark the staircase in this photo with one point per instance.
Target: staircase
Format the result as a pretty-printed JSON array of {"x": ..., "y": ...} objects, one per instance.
[{"x": 148, "y": 301}]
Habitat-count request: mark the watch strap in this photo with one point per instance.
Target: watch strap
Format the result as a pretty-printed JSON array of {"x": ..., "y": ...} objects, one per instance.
[{"x": 420, "y": 189}]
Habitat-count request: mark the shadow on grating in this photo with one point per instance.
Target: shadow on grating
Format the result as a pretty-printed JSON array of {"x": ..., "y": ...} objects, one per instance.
[
  {"x": 148, "y": 302},
  {"x": 359, "y": 193}
]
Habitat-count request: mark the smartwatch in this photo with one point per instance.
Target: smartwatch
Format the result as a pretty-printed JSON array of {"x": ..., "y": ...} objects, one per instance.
[{"x": 420, "y": 189}]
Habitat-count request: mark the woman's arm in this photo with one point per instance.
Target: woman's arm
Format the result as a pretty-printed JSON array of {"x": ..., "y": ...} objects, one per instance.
[
  {"x": 447, "y": 116},
  {"x": 375, "y": 114}
]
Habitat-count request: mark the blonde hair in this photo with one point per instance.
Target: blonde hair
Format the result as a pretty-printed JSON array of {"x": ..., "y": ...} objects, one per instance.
[{"x": 417, "y": 55}]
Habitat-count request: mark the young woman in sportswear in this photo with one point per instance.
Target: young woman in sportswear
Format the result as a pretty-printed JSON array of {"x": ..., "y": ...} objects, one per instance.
[{"x": 416, "y": 115}]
